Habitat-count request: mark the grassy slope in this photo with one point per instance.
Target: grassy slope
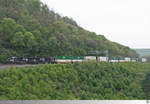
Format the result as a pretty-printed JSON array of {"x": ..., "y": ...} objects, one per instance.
[{"x": 90, "y": 80}]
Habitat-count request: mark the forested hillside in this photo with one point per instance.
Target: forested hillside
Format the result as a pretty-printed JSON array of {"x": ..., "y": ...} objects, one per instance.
[
  {"x": 29, "y": 28},
  {"x": 143, "y": 52},
  {"x": 89, "y": 80}
]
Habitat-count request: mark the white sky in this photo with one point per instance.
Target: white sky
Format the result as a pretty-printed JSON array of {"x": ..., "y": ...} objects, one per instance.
[{"x": 124, "y": 21}]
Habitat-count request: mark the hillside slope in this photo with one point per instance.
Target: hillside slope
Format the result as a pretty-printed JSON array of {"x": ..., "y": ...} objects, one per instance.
[
  {"x": 143, "y": 52},
  {"x": 89, "y": 80},
  {"x": 29, "y": 28}
]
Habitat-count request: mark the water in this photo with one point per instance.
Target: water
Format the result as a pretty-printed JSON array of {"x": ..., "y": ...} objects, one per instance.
[{"x": 74, "y": 102}]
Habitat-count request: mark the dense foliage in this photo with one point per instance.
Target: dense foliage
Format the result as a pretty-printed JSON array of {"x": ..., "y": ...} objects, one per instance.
[
  {"x": 146, "y": 82},
  {"x": 29, "y": 28},
  {"x": 89, "y": 80}
]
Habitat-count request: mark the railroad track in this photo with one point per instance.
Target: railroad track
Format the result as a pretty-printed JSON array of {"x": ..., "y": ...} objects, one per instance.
[{"x": 8, "y": 66}]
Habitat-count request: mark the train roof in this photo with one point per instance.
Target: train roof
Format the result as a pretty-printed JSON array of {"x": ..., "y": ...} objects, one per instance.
[{"x": 70, "y": 57}]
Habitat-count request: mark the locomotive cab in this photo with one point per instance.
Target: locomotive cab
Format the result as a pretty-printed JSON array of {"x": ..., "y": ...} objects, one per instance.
[{"x": 17, "y": 60}]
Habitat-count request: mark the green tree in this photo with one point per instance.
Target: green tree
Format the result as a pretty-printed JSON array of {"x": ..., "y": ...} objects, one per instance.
[{"x": 18, "y": 40}]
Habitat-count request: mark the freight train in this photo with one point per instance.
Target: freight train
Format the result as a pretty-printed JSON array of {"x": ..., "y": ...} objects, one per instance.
[{"x": 72, "y": 59}]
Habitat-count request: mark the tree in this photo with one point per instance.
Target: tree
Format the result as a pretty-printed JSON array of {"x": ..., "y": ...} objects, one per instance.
[
  {"x": 9, "y": 30},
  {"x": 53, "y": 44},
  {"x": 29, "y": 41},
  {"x": 18, "y": 40}
]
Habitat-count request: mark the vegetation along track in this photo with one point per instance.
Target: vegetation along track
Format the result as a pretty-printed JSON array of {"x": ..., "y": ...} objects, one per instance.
[
  {"x": 88, "y": 80},
  {"x": 146, "y": 82},
  {"x": 8, "y": 66}
]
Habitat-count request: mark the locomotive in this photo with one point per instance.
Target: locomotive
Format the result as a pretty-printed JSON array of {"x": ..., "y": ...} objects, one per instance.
[{"x": 31, "y": 60}]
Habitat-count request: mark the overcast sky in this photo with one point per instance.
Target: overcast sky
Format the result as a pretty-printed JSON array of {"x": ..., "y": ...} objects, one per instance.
[{"x": 124, "y": 21}]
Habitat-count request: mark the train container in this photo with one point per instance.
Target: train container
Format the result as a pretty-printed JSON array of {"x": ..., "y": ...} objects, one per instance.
[
  {"x": 89, "y": 58},
  {"x": 138, "y": 59},
  {"x": 144, "y": 60},
  {"x": 72, "y": 59},
  {"x": 63, "y": 59},
  {"x": 77, "y": 58},
  {"x": 133, "y": 59},
  {"x": 127, "y": 59},
  {"x": 121, "y": 59},
  {"x": 113, "y": 59},
  {"x": 104, "y": 59}
]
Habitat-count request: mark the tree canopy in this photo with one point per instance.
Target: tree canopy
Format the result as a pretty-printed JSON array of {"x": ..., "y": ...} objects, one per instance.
[{"x": 84, "y": 81}]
